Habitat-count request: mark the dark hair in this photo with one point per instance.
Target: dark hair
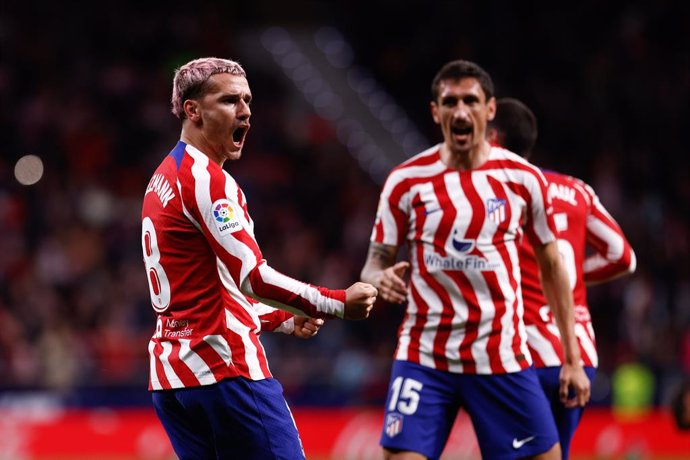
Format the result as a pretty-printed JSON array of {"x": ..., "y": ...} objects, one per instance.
[
  {"x": 457, "y": 70},
  {"x": 515, "y": 125}
]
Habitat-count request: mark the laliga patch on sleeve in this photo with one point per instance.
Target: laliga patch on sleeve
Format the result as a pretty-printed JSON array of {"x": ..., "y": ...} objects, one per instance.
[{"x": 224, "y": 217}]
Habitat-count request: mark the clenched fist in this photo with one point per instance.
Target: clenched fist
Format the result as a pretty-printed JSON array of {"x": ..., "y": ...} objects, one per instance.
[{"x": 359, "y": 300}]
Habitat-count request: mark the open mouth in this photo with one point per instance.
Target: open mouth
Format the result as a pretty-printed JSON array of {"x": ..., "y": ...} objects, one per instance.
[
  {"x": 461, "y": 130},
  {"x": 239, "y": 134}
]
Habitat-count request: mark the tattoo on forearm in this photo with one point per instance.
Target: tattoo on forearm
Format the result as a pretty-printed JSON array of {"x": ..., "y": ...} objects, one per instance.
[{"x": 381, "y": 253}]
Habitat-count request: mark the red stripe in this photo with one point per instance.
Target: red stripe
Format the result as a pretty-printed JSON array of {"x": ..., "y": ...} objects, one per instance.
[
  {"x": 536, "y": 357},
  {"x": 184, "y": 373},
  {"x": 422, "y": 306},
  {"x": 241, "y": 202},
  {"x": 553, "y": 339},
  {"x": 160, "y": 371},
  {"x": 417, "y": 327},
  {"x": 398, "y": 216},
  {"x": 185, "y": 176},
  {"x": 261, "y": 355},
  {"x": 499, "y": 243},
  {"x": 272, "y": 320},
  {"x": 234, "y": 264},
  {"x": 398, "y": 190},
  {"x": 214, "y": 361},
  {"x": 474, "y": 312},
  {"x": 421, "y": 160},
  {"x": 493, "y": 345},
  {"x": 471, "y": 326},
  {"x": 443, "y": 230},
  {"x": 265, "y": 290}
]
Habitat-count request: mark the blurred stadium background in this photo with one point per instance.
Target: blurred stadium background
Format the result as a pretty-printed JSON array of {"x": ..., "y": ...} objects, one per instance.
[{"x": 341, "y": 94}]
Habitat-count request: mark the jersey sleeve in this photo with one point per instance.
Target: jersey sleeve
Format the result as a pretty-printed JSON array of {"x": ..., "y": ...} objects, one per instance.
[
  {"x": 392, "y": 215},
  {"x": 275, "y": 320},
  {"x": 614, "y": 256},
  {"x": 212, "y": 199},
  {"x": 541, "y": 227}
]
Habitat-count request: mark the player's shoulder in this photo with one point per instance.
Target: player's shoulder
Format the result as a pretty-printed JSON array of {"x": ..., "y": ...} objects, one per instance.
[
  {"x": 569, "y": 180},
  {"x": 426, "y": 157},
  {"x": 509, "y": 159},
  {"x": 514, "y": 166},
  {"x": 423, "y": 164}
]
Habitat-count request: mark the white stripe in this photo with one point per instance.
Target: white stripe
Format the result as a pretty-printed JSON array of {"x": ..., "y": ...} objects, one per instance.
[
  {"x": 170, "y": 374},
  {"x": 514, "y": 306},
  {"x": 220, "y": 345},
  {"x": 614, "y": 241},
  {"x": 488, "y": 308},
  {"x": 322, "y": 303},
  {"x": 531, "y": 181},
  {"x": 185, "y": 211},
  {"x": 250, "y": 351},
  {"x": 155, "y": 382},
  {"x": 245, "y": 253},
  {"x": 202, "y": 192},
  {"x": 236, "y": 294},
  {"x": 390, "y": 230},
  {"x": 195, "y": 363},
  {"x": 233, "y": 190},
  {"x": 586, "y": 343},
  {"x": 430, "y": 326},
  {"x": 542, "y": 346}
]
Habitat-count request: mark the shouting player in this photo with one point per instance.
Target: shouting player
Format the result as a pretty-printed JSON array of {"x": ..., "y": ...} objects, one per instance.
[
  {"x": 461, "y": 207},
  {"x": 581, "y": 221},
  {"x": 211, "y": 287}
]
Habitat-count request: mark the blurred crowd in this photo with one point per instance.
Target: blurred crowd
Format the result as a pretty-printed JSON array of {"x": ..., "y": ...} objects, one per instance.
[{"x": 89, "y": 95}]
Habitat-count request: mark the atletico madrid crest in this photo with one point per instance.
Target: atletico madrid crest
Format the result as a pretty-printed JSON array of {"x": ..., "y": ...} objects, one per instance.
[
  {"x": 496, "y": 209},
  {"x": 394, "y": 424}
]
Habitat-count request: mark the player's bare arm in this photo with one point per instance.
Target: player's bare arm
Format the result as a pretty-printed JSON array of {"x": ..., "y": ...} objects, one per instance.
[
  {"x": 557, "y": 292},
  {"x": 381, "y": 270}
]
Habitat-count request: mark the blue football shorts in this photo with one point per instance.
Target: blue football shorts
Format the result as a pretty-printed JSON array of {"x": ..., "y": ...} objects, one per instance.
[
  {"x": 235, "y": 418},
  {"x": 509, "y": 412},
  {"x": 566, "y": 419}
]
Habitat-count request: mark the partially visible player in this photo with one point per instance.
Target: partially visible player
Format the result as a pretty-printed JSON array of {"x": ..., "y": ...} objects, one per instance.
[
  {"x": 582, "y": 222},
  {"x": 680, "y": 406},
  {"x": 211, "y": 289},
  {"x": 461, "y": 207}
]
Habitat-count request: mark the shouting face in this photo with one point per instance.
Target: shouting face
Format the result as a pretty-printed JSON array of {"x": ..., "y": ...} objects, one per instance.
[
  {"x": 463, "y": 112},
  {"x": 221, "y": 116}
]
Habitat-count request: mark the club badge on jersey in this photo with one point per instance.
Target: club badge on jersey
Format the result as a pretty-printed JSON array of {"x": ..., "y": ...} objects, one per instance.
[
  {"x": 496, "y": 209},
  {"x": 394, "y": 424}
]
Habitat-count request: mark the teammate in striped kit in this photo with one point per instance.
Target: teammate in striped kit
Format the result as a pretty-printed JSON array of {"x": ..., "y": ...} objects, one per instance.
[
  {"x": 461, "y": 207},
  {"x": 581, "y": 221},
  {"x": 211, "y": 289}
]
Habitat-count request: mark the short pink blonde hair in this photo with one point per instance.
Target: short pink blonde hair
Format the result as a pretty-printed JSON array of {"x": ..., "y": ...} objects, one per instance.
[{"x": 190, "y": 79}]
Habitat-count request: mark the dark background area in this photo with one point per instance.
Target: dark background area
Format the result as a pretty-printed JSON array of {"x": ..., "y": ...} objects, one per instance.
[{"x": 87, "y": 90}]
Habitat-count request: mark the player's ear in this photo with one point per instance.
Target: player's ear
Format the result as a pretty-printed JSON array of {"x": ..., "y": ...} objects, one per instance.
[
  {"x": 434, "y": 112},
  {"x": 492, "y": 136},
  {"x": 492, "y": 108},
  {"x": 191, "y": 110}
]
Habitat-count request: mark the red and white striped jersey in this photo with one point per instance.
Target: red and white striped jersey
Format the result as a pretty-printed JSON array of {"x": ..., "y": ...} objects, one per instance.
[
  {"x": 210, "y": 287},
  {"x": 462, "y": 228},
  {"x": 581, "y": 220}
]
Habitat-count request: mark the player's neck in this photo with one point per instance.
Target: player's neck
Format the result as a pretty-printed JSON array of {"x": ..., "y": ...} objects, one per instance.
[
  {"x": 468, "y": 159},
  {"x": 197, "y": 140}
]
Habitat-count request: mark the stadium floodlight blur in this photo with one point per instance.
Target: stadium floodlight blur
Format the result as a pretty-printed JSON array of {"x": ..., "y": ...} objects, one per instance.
[{"x": 368, "y": 121}]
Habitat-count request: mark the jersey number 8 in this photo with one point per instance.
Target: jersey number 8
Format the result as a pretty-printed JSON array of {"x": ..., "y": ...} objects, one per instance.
[{"x": 159, "y": 286}]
